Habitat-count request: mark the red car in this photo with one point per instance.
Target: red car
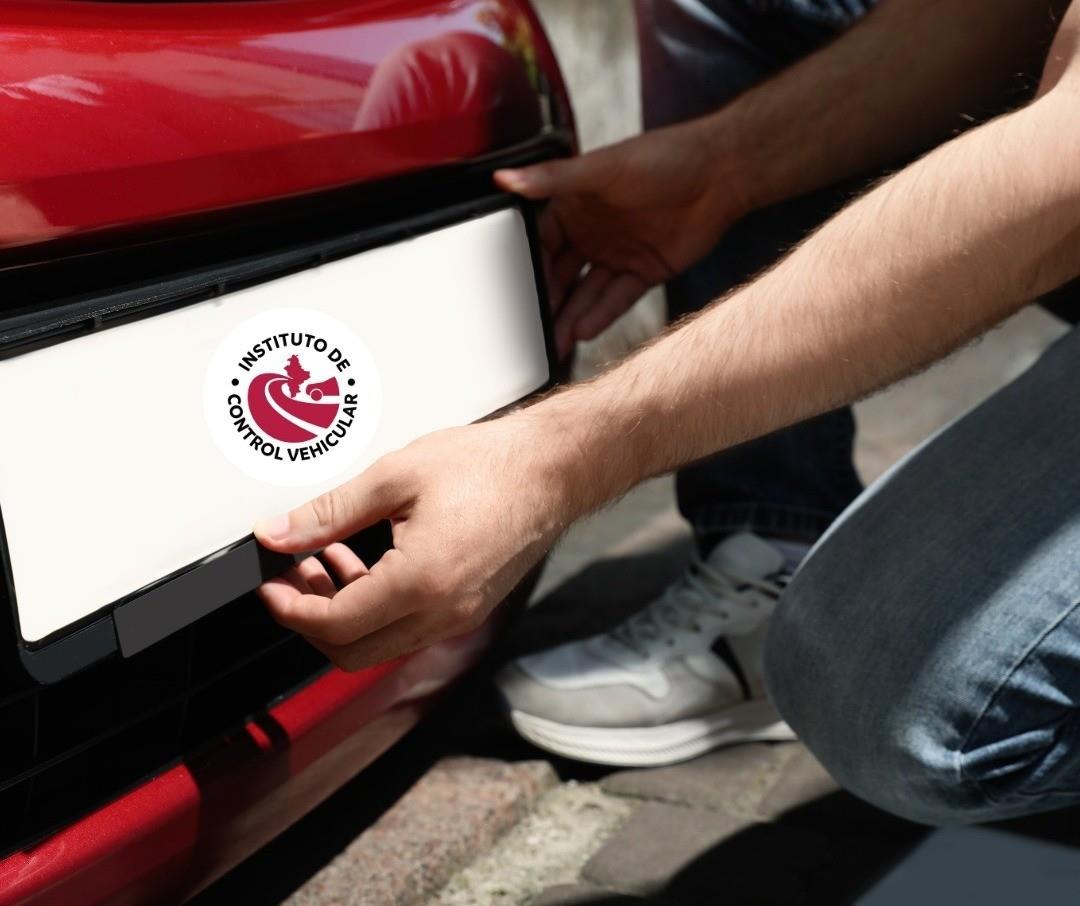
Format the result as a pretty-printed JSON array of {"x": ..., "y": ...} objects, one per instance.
[{"x": 170, "y": 175}]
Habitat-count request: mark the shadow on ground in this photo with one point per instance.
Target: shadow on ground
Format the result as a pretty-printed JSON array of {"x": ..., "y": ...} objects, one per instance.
[{"x": 828, "y": 852}]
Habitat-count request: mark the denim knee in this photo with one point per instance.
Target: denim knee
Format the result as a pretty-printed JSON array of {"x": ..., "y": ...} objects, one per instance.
[
  {"x": 928, "y": 650},
  {"x": 892, "y": 750}
]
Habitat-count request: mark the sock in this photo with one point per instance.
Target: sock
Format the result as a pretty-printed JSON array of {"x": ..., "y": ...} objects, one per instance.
[{"x": 793, "y": 552}]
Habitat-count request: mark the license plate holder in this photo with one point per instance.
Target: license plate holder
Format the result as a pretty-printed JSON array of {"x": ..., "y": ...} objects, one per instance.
[{"x": 189, "y": 580}]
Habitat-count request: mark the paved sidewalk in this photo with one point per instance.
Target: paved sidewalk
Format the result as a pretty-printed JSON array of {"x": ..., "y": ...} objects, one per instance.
[{"x": 749, "y": 825}]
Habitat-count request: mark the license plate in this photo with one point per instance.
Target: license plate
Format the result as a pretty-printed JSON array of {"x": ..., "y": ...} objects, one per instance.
[{"x": 139, "y": 451}]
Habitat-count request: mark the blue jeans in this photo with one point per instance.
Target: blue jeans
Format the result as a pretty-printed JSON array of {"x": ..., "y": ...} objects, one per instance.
[
  {"x": 695, "y": 56},
  {"x": 928, "y": 650}
]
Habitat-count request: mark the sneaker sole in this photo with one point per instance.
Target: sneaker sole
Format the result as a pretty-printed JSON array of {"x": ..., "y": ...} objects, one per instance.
[{"x": 755, "y": 721}]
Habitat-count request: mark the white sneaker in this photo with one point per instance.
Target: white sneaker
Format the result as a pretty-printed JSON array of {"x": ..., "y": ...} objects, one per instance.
[{"x": 677, "y": 679}]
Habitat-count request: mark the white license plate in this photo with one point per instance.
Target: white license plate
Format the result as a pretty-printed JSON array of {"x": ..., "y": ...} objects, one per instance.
[{"x": 127, "y": 457}]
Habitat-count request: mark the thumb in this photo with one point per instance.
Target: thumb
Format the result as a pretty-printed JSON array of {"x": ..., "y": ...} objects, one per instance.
[
  {"x": 551, "y": 178},
  {"x": 366, "y": 499}
]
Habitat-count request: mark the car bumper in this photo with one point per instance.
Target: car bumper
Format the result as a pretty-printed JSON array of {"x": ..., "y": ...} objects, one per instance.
[{"x": 172, "y": 836}]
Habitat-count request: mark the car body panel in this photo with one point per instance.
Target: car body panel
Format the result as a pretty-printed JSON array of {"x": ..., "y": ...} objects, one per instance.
[{"x": 120, "y": 114}]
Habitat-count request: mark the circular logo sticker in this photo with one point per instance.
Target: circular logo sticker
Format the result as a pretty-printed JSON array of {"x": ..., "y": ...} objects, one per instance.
[{"x": 292, "y": 397}]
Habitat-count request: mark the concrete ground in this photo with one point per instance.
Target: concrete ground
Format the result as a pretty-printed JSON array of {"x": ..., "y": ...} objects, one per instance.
[{"x": 502, "y": 825}]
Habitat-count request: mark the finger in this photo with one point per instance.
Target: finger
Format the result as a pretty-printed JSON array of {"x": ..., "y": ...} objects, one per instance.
[
  {"x": 368, "y": 498},
  {"x": 277, "y": 592},
  {"x": 552, "y": 236},
  {"x": 401, "y": 637},
  {"x": 618, "y": 296},
  {"x": 555, "y": 177},
  {"x": 565, "y": 270},
  {"x": 363, "y": 606},
  {"x": 583, "y": 297},
  {"x": 344, "y": 562},
  {"x": 297, "y": 580},
  {"x": 554, "y": 293},
  {"x": 317, "y": 578},
  {"x": 545, "y": 263},
  {"x": 305, "y": 613}
]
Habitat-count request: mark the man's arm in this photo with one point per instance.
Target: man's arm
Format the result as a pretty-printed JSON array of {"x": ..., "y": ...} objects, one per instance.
[
  {"x": 908, "y": 75},
  {"x": 928, "y": 260},
  {"x": 925, "y": 261}
]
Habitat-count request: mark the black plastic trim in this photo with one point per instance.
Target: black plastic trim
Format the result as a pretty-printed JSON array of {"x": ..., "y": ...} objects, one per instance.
[
  {"x": 69, "y": 653},
  {"x": 170, "y": 605},
  {"x": 25, "y": 332}
]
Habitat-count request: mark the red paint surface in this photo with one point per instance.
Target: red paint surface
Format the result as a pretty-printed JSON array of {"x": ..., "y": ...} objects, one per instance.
[
  {"x": 127, "y": 113},
  {"x": 175, "y": 834}
]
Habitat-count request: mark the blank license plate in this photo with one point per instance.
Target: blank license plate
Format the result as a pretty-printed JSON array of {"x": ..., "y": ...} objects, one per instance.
[{"x": 134, "y": 452}]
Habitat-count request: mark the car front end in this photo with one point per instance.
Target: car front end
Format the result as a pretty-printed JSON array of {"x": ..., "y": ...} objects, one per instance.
[{"x": 166, "y": 163}]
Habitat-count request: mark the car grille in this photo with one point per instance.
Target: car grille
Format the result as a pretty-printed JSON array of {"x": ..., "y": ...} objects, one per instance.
[{"x": 73, "y": 746}]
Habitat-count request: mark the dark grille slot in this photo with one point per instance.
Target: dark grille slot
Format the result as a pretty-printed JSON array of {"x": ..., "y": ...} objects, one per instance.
[
  {"x": 16, "y": 748},
  {"x": 211, "y": 714},
  {"x": 215, "y": 637},
  {"x": 73, "y": 712},
  {"x": 12, "y": 806},
  {"x": 107, "y": 729},
  {"x": 62, "y": 788}
]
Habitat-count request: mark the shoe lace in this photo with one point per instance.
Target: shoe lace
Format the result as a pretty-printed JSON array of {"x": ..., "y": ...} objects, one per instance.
[{"x": 702, "y": 589}]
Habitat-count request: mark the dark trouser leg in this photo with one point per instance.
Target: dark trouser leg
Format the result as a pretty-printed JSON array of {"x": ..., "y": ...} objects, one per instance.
[{"x": 695, "y": 57}]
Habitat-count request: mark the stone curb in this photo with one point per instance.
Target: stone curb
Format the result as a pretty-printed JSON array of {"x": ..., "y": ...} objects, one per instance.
[{"x": 452, "y": 814}]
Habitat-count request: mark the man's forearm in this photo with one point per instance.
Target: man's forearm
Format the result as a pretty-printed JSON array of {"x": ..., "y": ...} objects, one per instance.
[
  {"x": 910, "y": 74},
  {"x": 924, "y": 262},
  {"x": 928, "y": 259}
]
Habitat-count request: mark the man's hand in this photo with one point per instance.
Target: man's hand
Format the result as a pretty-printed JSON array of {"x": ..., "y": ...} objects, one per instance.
[
  {"x": 630, "y": 216},
  {"x": 472, "y": 510},
  {"x": 623, "y": 219}
]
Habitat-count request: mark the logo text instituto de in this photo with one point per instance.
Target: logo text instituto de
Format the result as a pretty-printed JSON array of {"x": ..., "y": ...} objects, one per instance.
[{"x": 288, "y": 403}]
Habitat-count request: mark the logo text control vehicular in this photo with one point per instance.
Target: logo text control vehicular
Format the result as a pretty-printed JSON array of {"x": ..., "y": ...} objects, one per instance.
[{"x": 299, "y": 394}]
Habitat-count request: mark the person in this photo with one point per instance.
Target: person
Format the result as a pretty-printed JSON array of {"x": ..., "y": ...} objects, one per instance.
[
  {"x": 928, "y": 648},
  {"x": 625, "y": 697}
]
